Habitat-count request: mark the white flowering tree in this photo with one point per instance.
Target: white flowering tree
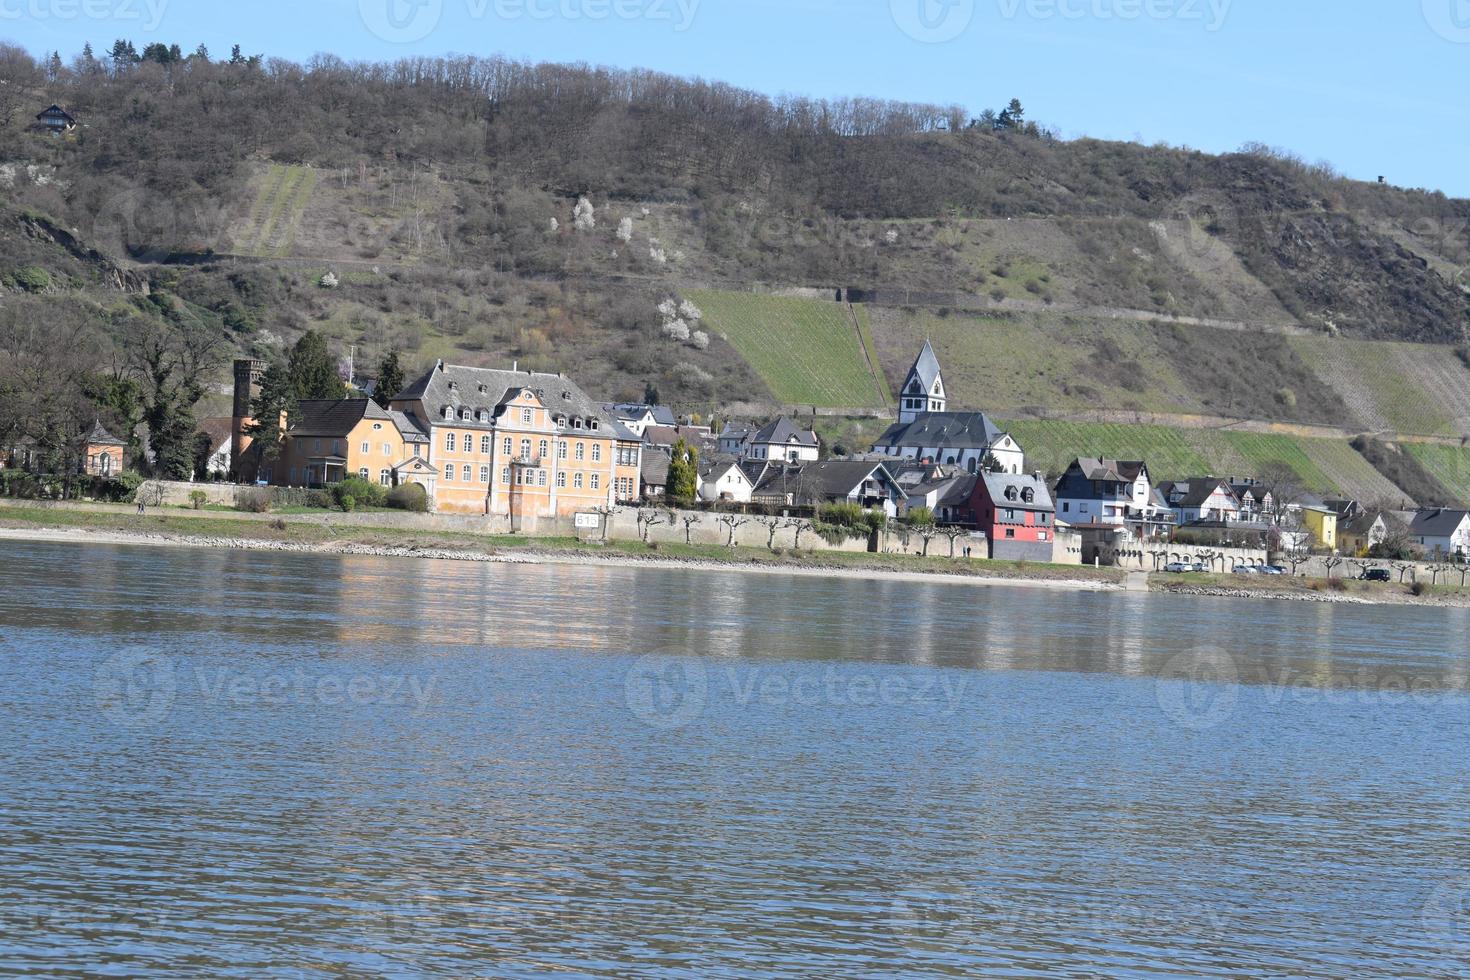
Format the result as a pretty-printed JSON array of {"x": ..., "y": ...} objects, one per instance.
[
  {"x": 328, "y": 281},
  {"x": 584, "y": 215},
  {"x": 555, "y": 225},
  {"x": 625, "y": 230}
]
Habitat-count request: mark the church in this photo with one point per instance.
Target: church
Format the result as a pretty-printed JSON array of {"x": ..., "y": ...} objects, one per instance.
[{"x": 927, "y": 432}]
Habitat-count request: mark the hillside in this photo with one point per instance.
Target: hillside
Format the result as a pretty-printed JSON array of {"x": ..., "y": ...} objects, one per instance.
[{"x": 489, "y": 211}]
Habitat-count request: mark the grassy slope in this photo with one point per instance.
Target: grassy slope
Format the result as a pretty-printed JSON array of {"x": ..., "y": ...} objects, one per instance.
[
  {"x": 806, "y": 350},
  {"x": 1450, "y": 465}
]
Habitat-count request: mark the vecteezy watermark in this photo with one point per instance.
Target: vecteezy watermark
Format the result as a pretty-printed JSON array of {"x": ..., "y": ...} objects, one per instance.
[
  {"x": 147, "y": 13},
  {"x": 135, "y": 688},
  {"x": 407, "y": 21},
  {"x": 1450, "y": 19},
  {"x": 1198, "y": 689},
  {"x": 1209, "y": 13},
  {"x": 1446, "y": 916},
  {"x": 666, "y": 692},
  {"x": 932, "y": 21},
  {"x": 138, "y": 688},
  {"x": 671, "y": 692}
]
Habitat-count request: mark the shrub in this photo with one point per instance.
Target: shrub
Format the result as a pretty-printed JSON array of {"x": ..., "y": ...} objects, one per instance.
[
  {"x": 1418, "y": 588},
  {"x": 33, "y": 279},
  {"x": 120, "y": 489},
  {"x": 277, "y": 525},
  {"x": 410, "y": 497},
  {"x": 840, "y": 515},
  {"x": 347, "y": 502},
  {"x": 197, "y": 499},
  {"x": 255, "y": 501},
  {"x": 360, "y": 492}
]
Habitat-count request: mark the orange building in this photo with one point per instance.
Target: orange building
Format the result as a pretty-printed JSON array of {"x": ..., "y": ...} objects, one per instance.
[
  {"x": 102, "y": 452},
  {"x": 327, "y": 441},
  {"x": 519, "y": 444}
]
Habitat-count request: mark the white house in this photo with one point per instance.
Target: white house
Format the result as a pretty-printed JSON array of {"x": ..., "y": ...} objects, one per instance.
[
  {"x": 725, "y": 479},
  {"x": 781, "y": 440},
  {"x": 1441, "y": 531},
  {"x": 867, "y": 483},
  {"x": 220, "y": 432},
  {"x": 1204, "y": 500},
  {"x": 638, "y": 418}
]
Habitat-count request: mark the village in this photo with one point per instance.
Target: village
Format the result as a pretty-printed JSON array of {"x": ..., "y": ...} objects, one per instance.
[{"x": 532, "y": 453}]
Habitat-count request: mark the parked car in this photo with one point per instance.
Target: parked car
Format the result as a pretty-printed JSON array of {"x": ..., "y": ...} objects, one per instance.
[
  {"x": 1178, "y": 568},
  {"x": 1278, "y": 570},
  {"x": 1269, "y": 570},
  {"x": 1200, "y": 566},
  {"x": 1375, "y": 575},
  {"x": 1244, "y": 570}
]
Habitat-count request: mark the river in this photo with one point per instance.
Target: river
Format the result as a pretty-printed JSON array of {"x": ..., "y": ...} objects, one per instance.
[{"x": 243, "y": 764}]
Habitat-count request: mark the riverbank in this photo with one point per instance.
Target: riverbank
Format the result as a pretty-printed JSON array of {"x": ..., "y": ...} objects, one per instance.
[
  {"x": 1341, "y": 590},
  {"x": 205, "y": 529}
]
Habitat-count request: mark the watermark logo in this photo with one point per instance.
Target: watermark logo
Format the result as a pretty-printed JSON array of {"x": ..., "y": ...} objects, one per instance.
[
  {"x": 1450, "y": 19},
  {"x": 401, "y": 21},
  {"x": 666, "y": 692},
  {"x": 932, "y": 21},
  {"x": 1198, "y": 689},
  {"x": 136, "y": 688},
  {"x": 1446, "y": 915},
  {"x": 148, "y": 14},
  {"x": 1212, "y": 14}
]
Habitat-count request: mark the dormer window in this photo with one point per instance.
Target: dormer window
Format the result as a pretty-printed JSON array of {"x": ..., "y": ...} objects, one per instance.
[
  {"x": 454, "y": 386},
  {"x": 466, "y": 414},
  {"x": 566, "y": 396},
  {"x": 1012, "y": 493},
  {"x": 448, "y": 412},
  {"x": 592, "y": 424},
  {"x": 1028, "y": 495},
  {"x": 576, "y": 423},
  {"x": 483, "y": 389}
]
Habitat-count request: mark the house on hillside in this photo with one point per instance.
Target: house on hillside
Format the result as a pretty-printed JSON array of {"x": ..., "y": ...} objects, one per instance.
[
  {"x": 1369, "y": 529},
  {"x": 638, "y": 417},
  {"x": 1256, "y": 500},
  {"x": 1442, "y": 532},
  {"x": 867, "y": 483},
  {"x": 734, "y": 438},
  {"x": 1206, "y": 500},
  {"x": 55, "y": 120},
  {"x": 728, "y": 479},
  {"x": 1104, "y": 491},
  {"x": 1017, "y": 515},
  {"x": 782, "y": 440}
]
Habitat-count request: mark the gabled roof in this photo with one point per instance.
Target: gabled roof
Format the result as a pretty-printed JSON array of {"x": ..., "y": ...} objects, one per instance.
[
  {"x": 487, "y": 390},
  {"x": 221, "y": 433},
  {"x": 654, "y": 469},
  {"x": 334, "y": 418},
  {"x": 55, "y": 110},
  {"x": 736, "y": 430},
  {"x": 1438, "y": 523},
  {"x": 782, "y": 431},
  {"x": 926, "y": 369},
  {"x": 633, "y": 411},
  {"x": 826, "y": 480},
  {"x": 99, "y": 436},
  {"x": 667, "y": 435},
  {"x": 1010, "y": 490},
  {"x": 716, "y": 465},
  {"x": 944, "y": 430},
  {"x": 408, "y": 426},
  {"x": 949, "y": 491},
  {"x": 1114, "y": 470}
]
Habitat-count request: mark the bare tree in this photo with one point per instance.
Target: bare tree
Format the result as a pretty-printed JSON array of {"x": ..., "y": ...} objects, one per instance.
[
  {"x": 648, "y": 519},
  {"x": 954, "y": 532},
  {"x": 1403, "y": 568},
  {"x": 1297, "y": 557},
  {"x": 734, "y": 522},
  {"x": 772, "y": 525},
  {"x": 1330, "y": 562},
  {"x": 689, "y": 521}
]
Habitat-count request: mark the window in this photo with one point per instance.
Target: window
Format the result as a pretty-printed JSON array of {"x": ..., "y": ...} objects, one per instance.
[
  {"x": 576, "y": 423},
  {"x": 469, "y": 476},
  {"x": 1043, "y": 536},
  {"x": 485, "y": 445},
  {"x": 561, "y": 450},
  {"x": 561, "y": 480},
  {"x": 507, "y": 447},
  {"x": 597, "y": 452},
  {"x": 526, "y": 416},
  {"x": 484, "y": 474},
  {"x": 525, "y": 449},
  {"x": 505, "y": 475},
  {"x": 542, "y": 449},
  {"x": 449, "y": 443},
  {"x": 540, "y": 478},
  {"x": 1010, "y": 532},
  {"x": 367, "y": 447},
  {"x": 577, "y": 481},
  {"x": 466, "y": 414},
  {"x": 362, "y": 473},
  {"x": 596, "y": 481},
  {"x": 449, "y": 472},
  {"x": 385, "y": 477},
  {"x": 581, "y": 450},
  {"x": 416, "y": 450},
  {"x": 387, "y": 449}
]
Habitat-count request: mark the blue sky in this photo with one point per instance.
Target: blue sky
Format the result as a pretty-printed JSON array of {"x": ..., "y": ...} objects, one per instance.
[{"x": 1374, "y": 87}]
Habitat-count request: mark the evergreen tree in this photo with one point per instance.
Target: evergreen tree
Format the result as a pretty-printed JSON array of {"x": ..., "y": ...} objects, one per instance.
[
  {"x": 684, "y": 472},
  {"x": 311, "y": 370},
  {"x": 54, "y": 68},
  {"x": 201, "y": 53},
  {"x": 276, "y": 398},
  {"x": 390, "y": 379},
  {"x": 650, "y": 394},
  {"x": 123, "y": 56}
]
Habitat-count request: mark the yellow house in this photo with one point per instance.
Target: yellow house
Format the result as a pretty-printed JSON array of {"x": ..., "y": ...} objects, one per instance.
[
  {"x": 327, "y": 441},
  {"x": 519, "y": 444},
  {"x": 1322, "y": 523}
]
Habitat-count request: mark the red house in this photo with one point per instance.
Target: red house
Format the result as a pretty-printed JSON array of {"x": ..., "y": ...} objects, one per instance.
[{"x": 1017, "y": 515}]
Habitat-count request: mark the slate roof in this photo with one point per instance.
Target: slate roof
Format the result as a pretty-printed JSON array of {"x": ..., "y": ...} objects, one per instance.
[
  {"x": 654, "y": 470},
  {"x": 662, "y": 414},
  {"x": 667, "y": 435},
  {"x": 409, "y": 427},
  {"x": 333, "y": 418},
  {"x": 99, "y": 436},
  {"x": 826, "y": 480},
  {"x": 1195, "y": 491},
  {"x": 943, "y": 430},
  {"x": 1438, "y": 523},
  {"x": 949, "y": 491},
  {"x": 484, "y": 391},
  {"x": 783, "y": 432},
  {"x": 1115, "y": 470},
  {"x": 997, "y": 485},
  {"x": 221, "y": 433},
  {"x": 926, "y": 369}
]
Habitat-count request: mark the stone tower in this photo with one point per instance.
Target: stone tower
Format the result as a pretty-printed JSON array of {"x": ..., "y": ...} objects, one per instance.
[{"x": 247, "y": 388}]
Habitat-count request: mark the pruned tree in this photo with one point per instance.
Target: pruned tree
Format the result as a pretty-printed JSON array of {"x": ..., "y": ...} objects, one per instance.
[
  {"x": 1331, "y": 562},
  {"x": 772, "y": 525},
  {"x": 648, "y": 519},
  {"x": 954, "y": 532},
  {"x": 689, "y": 521},
  {"x": 920, "y": 521},
  {"x": 1403, "y": 568},
  {"x": 733, "y": 522}
]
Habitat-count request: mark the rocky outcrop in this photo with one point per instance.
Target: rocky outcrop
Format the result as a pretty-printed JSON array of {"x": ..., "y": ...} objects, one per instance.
[{"x": 113, "y": 275}]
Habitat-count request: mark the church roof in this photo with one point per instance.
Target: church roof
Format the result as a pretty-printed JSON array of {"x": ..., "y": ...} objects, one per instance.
[
  {"x": 926, "y": 369},
  {"x": 943, "y": 430}
]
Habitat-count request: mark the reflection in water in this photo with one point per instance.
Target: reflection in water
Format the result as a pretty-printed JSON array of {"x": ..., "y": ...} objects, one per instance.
[{"x": 227, "y": 763}]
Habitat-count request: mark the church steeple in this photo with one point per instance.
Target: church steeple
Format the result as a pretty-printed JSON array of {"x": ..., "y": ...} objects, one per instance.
[{"x": 923, "y": 389}]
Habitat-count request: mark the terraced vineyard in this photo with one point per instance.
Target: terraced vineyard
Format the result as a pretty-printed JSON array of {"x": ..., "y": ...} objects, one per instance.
[
  {"x": 1450, "y": 465},
  {"x": 282, "y": 194},
  {"x": 1325, "y": 466},
  {"x": 807, "y": 351},
  {"x": 1389, "y": 387}
]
